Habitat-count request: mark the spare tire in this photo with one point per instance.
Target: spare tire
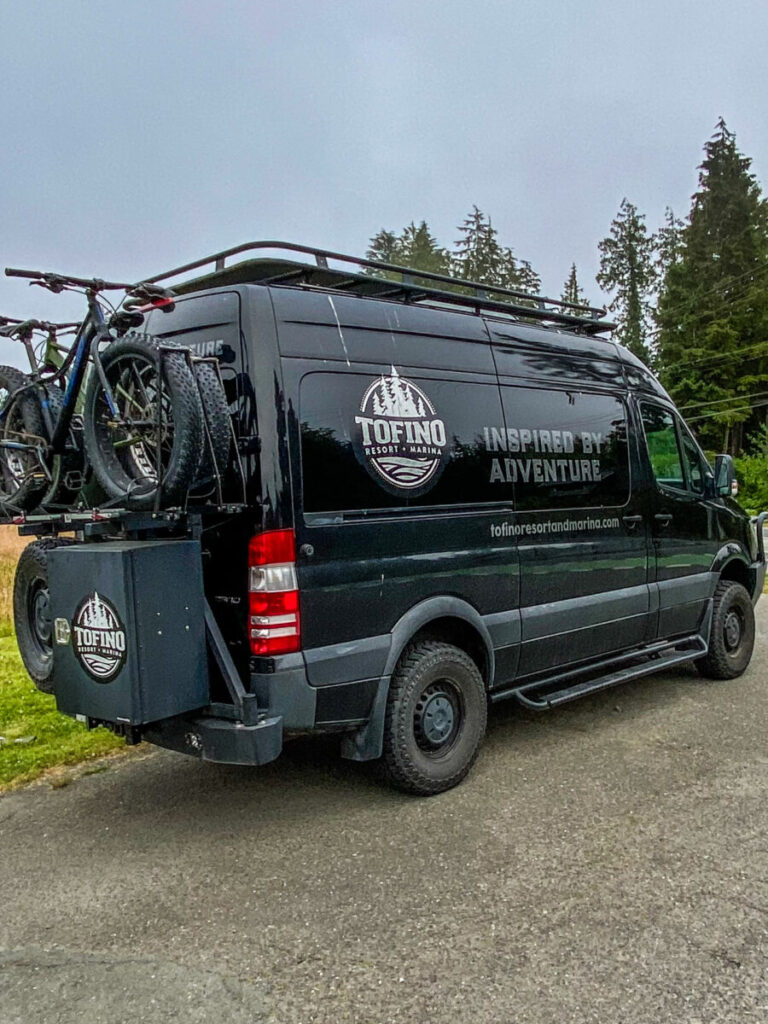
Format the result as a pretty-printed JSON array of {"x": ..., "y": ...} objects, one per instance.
[
  {"x": 31, "y": 611},
  {"x": 125, "y": 454}
]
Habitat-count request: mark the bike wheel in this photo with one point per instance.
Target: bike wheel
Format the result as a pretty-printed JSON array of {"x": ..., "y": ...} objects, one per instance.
[
  {"x": 216, "y": 411},
  {"x": 23, "y": 481},
  {"x": 156, "y": 443}
]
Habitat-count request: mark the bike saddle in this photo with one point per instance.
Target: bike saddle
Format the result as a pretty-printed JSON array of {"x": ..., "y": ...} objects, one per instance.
[
  {"x": 149, "y": 296},
  {"x": 125, "y": 319}
]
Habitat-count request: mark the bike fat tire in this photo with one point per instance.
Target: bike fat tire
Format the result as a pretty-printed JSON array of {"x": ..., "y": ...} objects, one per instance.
[
  {"x": 22, "y": 480},
  {"x": 216, "y": 411},
  {"x": 121, "y": 475}
]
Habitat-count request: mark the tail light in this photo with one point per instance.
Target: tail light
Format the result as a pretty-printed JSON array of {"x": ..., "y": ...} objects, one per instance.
[{"x": 273, "y": 593}]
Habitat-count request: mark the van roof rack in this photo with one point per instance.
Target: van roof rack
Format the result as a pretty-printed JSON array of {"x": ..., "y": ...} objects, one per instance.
[{"x": 413, "y": 285}]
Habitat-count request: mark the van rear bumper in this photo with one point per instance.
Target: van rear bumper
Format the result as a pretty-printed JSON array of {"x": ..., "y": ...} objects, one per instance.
[{"x": 219, "y": 739}]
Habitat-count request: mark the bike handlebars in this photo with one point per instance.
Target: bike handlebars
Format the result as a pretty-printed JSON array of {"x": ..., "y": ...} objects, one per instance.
[
  {"x": 9, "y": 326},
  {"x": 143, "y": 291},
  {"x": 58, "y": 282}
]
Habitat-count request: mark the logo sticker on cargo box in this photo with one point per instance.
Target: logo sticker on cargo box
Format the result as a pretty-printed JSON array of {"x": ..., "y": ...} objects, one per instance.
[
  {"x": 98, "y": 638},
  {"x": 400, "y": 438}
]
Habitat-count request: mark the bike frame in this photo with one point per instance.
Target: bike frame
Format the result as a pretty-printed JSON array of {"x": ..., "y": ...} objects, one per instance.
[{"x": 91, "y": 333}]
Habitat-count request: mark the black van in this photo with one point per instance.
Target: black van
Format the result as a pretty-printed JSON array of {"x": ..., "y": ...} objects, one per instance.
[{"x": 449, "y": 495}]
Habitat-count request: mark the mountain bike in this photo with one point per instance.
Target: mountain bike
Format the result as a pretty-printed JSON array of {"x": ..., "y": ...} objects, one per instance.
[{"x": 152, "y": 417}]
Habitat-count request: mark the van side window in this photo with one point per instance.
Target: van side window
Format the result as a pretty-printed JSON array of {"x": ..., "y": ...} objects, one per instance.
[
  {"x": 393, "y": 440},
  {"x": 663, "y": 448},
  {"x": 564, "y": 449}
]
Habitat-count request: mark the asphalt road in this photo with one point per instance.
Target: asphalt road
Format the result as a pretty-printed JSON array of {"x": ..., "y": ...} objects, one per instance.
[{"x": 607, "y": 862}]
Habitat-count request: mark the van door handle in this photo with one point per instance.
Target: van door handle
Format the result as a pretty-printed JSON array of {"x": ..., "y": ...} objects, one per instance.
[
  {"x": 632, "y": 521},
  {"x": 663, "y": 518}
]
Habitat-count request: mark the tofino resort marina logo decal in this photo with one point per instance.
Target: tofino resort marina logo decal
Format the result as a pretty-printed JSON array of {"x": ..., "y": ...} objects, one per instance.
[
  {"x": 401, "y": 440},
  {"x": 98, "y": 638}
]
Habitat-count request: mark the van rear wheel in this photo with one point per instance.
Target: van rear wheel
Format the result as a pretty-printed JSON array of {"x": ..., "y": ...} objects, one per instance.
[
  {"x": 435, "y": 721},
  {"x": 732, "y": 635}
]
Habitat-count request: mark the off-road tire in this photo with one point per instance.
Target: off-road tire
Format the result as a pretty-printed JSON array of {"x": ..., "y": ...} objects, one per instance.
[
  {"x": 130, "y": 487},
  {"x": 25, "y": 418},
  {"x": 732, "y": 636},
  {"x": 30, "y": 608},
  {"x": 427, "y": 671},
  {"x": 216, "y": 411}
]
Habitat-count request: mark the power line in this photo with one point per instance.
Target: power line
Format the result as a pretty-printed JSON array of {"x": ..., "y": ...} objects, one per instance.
[
  {"x": 762, "y": 269},
  {"x": 720, "y": 401},
  {"x": 728, "y": 280},
  {"x": 682, "y": 364},
  {"x": 719, "y": 412}
]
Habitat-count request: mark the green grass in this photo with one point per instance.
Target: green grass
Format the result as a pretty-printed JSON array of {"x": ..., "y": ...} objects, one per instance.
[{"x": 24, "y": 711}]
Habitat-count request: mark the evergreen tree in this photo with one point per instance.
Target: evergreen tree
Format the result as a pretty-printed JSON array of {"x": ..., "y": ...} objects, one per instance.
[
  {"x": 627, "y": 269},
  {"x": 668, "y": 243},
  {"x": 384, "y": 246},
  {"x": 418, "y": 248},
  {"x": 527, "y": 278},
  {"x": 518, "y": 275},
  {"x": 713, "y": 307},
  {"x": 414, "y": 247},
  {"x": 572, "y": 290},
  {"x": 478, "y": 255}
]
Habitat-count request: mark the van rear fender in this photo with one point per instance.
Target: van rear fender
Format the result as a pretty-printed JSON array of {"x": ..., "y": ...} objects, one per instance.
[{"x": 447, "y": 618}]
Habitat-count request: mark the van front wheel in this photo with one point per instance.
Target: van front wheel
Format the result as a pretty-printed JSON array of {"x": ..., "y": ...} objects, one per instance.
[
  {"x": 732, "y": 636},
  {"x": 436, "y": 715}
]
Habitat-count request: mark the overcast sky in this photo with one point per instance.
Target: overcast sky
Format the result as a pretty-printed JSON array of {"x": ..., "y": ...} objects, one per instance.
[{"x": 138, "y": 135}]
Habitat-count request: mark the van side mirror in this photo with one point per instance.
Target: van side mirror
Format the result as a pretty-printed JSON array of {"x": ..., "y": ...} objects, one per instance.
[{"x": 725, "y": 475}]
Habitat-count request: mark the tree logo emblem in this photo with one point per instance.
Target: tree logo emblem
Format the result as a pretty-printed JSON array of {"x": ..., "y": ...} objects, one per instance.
[
  {"x": 98, "y": 638},
  {"x": 400, "y": 438}
]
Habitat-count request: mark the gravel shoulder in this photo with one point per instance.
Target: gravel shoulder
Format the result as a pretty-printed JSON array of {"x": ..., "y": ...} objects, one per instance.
[{"x": 604, "y": 862}]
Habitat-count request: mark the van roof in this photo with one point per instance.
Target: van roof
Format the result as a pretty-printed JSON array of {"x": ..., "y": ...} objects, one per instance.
[{"x": 373, "y": 279}]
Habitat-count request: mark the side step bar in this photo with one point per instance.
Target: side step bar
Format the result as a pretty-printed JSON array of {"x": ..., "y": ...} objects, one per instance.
[{"x": 650, "y": 659}]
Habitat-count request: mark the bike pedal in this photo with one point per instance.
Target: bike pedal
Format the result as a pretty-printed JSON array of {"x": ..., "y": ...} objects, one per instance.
[{"x": 74, "y": 480}]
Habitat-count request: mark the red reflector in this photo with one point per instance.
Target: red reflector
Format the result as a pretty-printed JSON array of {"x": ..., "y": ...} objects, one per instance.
[
  {"x": 272, "y": 546},
  {"x": 285, "y": 602},
  {"x": 274, "y": 645}
]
